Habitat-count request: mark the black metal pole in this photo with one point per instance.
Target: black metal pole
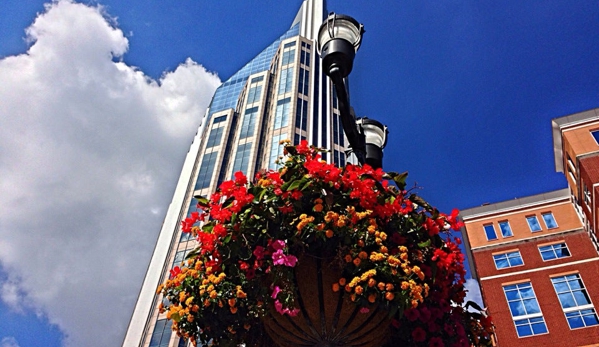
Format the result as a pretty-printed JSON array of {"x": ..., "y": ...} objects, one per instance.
[{"x": 357, "y": 140}]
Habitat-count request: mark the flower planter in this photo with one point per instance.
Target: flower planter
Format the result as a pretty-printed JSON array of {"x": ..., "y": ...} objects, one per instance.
[{"x": 326, "y": 318}]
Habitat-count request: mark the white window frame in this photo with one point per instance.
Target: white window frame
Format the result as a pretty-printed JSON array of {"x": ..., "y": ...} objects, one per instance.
[
  {"x": 578, "y": 308},
  {"x": 538, "y": 223},
  {"x": 509, "y": 227},
  {"x": 527, "y": 317},
  {"x": 507, "y": 258},
  {"x": 554, "y": 252},
  {"x": 552, "y": 217}
]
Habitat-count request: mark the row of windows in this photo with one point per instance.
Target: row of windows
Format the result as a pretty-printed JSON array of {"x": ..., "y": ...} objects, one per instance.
[
  {"x": 573, "y": 298},
  {"x": 242, "y": 158},
  {"x": 548, "y": 252},
  {"x": 533, "y": 224}
]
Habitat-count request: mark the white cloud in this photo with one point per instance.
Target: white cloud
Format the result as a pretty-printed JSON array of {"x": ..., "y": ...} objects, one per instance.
[
  {"x": 90, "y": 151},
  {"x": 473, "y": 292},
  {"x": 9, "y": 342}
]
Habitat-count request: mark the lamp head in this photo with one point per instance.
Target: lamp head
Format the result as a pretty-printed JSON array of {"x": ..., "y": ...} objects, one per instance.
[
  {"x": 375, "y": 134},
  {"x": 339, "y": 38}
]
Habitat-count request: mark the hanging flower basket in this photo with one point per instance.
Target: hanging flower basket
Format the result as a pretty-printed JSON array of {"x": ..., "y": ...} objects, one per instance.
[{"x": 318, "y": 255}]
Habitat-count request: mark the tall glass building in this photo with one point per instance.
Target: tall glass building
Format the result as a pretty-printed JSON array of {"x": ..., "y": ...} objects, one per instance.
[{"x": 280, "y": 94}]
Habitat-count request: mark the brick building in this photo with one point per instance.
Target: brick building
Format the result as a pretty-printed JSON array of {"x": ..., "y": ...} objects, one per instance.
[{"x": 536, "y": 258}]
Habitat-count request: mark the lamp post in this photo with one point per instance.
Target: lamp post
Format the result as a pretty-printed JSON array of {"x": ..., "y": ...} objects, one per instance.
[{"x": 338, "y": 40}]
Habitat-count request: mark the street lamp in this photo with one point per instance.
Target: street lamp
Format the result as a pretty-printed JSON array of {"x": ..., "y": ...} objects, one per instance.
[{"x": 339, "y": 38}]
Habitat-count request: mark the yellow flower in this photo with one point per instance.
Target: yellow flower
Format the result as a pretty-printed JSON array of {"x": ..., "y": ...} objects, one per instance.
[{"x": 189, "y": 301}]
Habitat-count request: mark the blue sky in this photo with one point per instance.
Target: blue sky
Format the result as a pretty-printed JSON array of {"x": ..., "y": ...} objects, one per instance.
[{"x": 467, "y": 88}]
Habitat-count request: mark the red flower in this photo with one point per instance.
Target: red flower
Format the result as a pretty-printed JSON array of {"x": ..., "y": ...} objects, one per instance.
[
  {"x": 412, "y": 314},
  {"x": 175, "y": 271},
  {"x": 240, "y": 179},
  {"x": 418, "y": 334}
]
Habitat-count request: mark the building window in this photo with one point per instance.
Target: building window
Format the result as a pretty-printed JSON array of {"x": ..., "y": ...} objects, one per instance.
[
  {"x": 215, "y": 136},
  {"x": 575, "y": 301},
  {"x": 219, "y": 119},
  {"x": 285, "y": 80},
  {"x": 595, "y": 134},
  {"x": 549, "y": 220},
  {"x": 242, "y": 158},
  {"x": 249, "y": 122},
  {"x": 276, "y": 150},
  {"x": 586, "y": 193},
  {"x": 506, "y": 260},
  {"x": 162, "y": 333},
  {"x": 338, "y": 136},
  {"x": 282, "y": 113},
  {"x": 554, "y": 251},
  {"x": 506, "y": 231},
  {"x": 288, "y": 57},
  {"x": 525, "y": 309},
  {"x": 254, "y": 94},
  {"x": 490, "y": 231},
  {"x": 301, "y": 114},
  {"x": 206, "y": 170},
  {"x": 533, "y": 223},
  {"x": 304, "y": 81},
  {"x": 179, "y": 257}
]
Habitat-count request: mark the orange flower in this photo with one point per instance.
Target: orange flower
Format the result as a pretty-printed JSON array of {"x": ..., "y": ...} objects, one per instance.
[
  {"x": 357, "y": 262},
  {"x": 389, "y": 296},
  {"x": 371, "y": 282},
  {"x": 389, "y": 287},
  {"x": 335, "y": 287},
  {"x": 347, "y": 288},
  {"x": 232, "y": 302},
  {"x": 363, "y": 255},
  {"x": 384, "y": 249},
  {"x": 361, "y": 243},
  {"x": 359, "y": 290},
  {"x": 329, "y": 233},
  {"x": 348, "y": 258},
  {"x": 342, "y": 281},
  {"x": 381, "y": 286},
  {"x": 233, "y": 309},
  {"x": 317, "y": 208},
  {"x": 213, "y": 294},
  {"x": 372, "y": 298}
]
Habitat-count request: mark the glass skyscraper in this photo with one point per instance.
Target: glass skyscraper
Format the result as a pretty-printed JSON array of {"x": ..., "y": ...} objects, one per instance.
[{"x": 280, "y": 94}]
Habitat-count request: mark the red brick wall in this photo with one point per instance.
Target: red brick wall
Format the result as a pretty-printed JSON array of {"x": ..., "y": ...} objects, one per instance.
[
  {"x": 559, "y": 334},
  {"x": 578, "y": 243}
]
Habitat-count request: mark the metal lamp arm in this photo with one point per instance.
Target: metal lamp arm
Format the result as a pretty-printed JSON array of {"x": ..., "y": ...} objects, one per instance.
[{"x": 356, "y": 138}]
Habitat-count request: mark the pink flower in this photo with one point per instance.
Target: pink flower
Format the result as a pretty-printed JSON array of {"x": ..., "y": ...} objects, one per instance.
[
  {"x": 364, "y": 310},
  {"x": 279, "y": 258},
  {"x": 278, "y": 244},
  {"x": 282, "y": 311},
  {"x": 275, "y": 292},
  {"x": 290, "y": 260}
]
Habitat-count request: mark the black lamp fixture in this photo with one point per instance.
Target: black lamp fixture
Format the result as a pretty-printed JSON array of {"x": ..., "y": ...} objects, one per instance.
[{"x": 339, "y": 38}]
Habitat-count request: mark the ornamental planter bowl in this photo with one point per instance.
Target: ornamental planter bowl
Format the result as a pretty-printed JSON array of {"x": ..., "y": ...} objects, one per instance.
[{"x": 326, "y": 318}]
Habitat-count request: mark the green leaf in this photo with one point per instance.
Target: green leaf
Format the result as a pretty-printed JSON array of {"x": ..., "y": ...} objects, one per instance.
[
  {"x": 424, "y": 244},
  {"x": 398, "y": 178},
  {"x": 176, "y": 317},
  {"x": 202, "y": 201},
  {"x": 293, "y": 185}
]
